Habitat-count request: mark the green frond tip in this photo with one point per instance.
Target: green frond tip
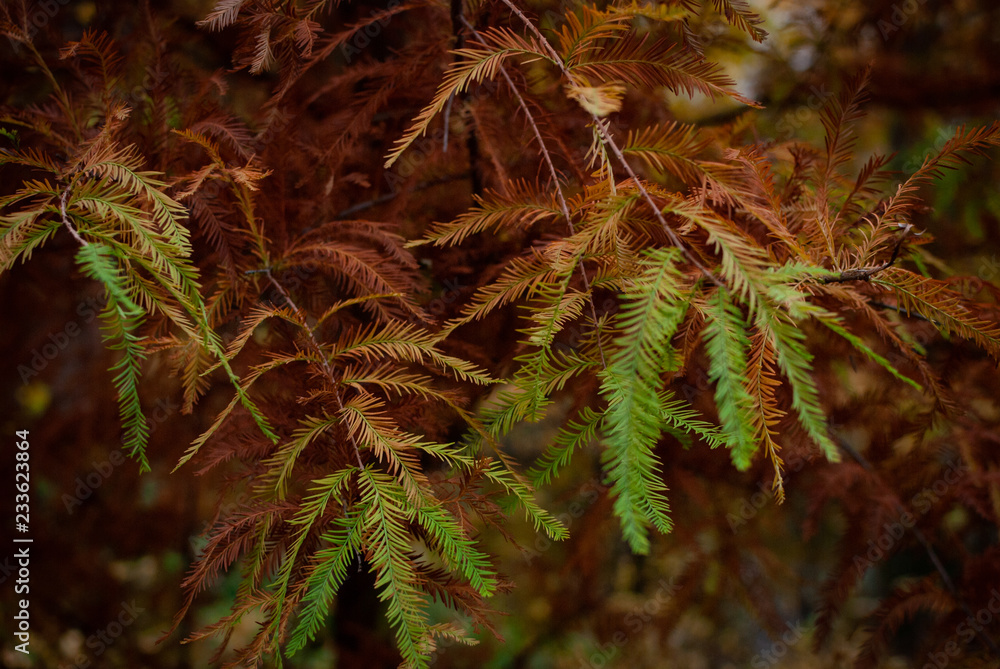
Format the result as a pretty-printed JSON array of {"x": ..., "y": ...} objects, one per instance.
[
  {"x": 726, "y": 343},
  {"x": 126, "y": 380},
  {"x": 327, "y": 574},
  {"x": 100, "y": 262},
  {"x": 386, "y": 519},
  {"x": 639, "y": 493},
  {"x": 680, "y": 418},
  {"x": 12, "y": 135},
  {"x": 458, "y": 551},
  {"x": 795, "y": 362},
  {"x": 380, "y": 527},
  {"x": 524, "y": 495},
  {"x": 574, "y": 435},
  {"x": 121, "y": 318},
  {"x": 834, "y": 324},
  {"x": 324, "y": 491},
  {"x": 654, "y": 308}
]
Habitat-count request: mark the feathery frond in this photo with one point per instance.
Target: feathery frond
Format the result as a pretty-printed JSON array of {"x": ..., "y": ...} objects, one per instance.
[
  {"x": 654, "y": 310},
  {"x": 726, "y": 343}
]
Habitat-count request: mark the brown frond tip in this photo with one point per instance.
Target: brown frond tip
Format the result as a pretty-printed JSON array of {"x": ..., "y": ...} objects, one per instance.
[
  {"x": 224, "y": 14},
  {"x": 573, "y": 237},
  {"x": 904, "y": 605},
  {"x": 739, "y": 14},
  {"x": 837, "y": 118},
  {"x": 634, "y": 60}
]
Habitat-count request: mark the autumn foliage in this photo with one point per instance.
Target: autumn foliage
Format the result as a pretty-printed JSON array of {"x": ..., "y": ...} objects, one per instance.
[{"x": 404, "y": 271}]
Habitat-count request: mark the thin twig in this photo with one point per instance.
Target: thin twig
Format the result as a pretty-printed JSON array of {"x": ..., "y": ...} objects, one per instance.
[
  {"x": 374, "y": 202},
  {"x": 920, "y": 536},
  {"x": 856, "y": 274},
  {"x": 318, "y": 350},
  {"x": 610, "y": 142},
  {"x": 65, "y": 216},
  {"x": 447, "y": 122},
  {"x": 564, "y": 208},
  {"x": 910, "y": 314},
  {"x": 361, "y": 206},
  {"x": 866, "y": 273}
]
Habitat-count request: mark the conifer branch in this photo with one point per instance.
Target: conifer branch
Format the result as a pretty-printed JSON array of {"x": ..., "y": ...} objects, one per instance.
[
  {"x": 932, "y": 555},
  {"x": 866, "y": 273},
  {"x": 610, "y": 142},
  {"x": 563, "y": 207},
  {"x": 321, "y": 356},
  {"x": 65, "y": 217},
  {"x": 763, "y": 223}
]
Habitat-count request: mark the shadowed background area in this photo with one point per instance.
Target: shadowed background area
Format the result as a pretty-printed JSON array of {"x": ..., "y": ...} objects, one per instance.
[{"x": 741, "y": 580}]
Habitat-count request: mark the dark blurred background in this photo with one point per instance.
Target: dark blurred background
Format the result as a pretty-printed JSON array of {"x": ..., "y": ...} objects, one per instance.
[{"x": 111, "y": 545}]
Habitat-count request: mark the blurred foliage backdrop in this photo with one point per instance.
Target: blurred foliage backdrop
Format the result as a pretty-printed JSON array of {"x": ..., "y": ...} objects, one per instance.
[{"x": 107, "y": 537}]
